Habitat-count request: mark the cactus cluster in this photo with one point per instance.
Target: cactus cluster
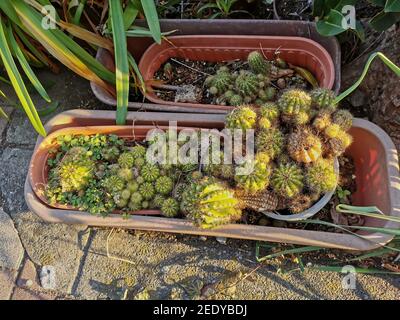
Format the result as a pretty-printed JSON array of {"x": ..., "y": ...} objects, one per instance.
[{"x": 235, "y": 88}]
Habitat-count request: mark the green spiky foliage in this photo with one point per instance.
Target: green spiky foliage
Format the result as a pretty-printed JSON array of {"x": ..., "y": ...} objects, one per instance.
[
  {"x": 147, "y": 191},
  {"x": 136, "y": 197},
  {"x": 322, "y": 120},
  {"x": 243, "y": 117},
  {"x": 126, "y": 160},
  {"x": 138, "y": 151},
  {"x": 132, "y": 186},
  {"x": 303, "y": 146},
  {"x": 269, "y": 115},
  {"x": 170, "y": 208},
  {"x": 321, "y": 176},
  {"x": 236, "y": 100},
  {"x": 150, "y": 172},
  {"x": 287, "y": 180},
  {"x": 125, "y": 173},
  {"x": 323, "y": 98},
  {"x": 257, "y": 63},
  {"x": 164, "y": 185},
  {"x": 110, "y": 154},
  {"x": 247, "y": 84},
  {"x": 113, "y": 184},
  {"x": 158, "y": 201},
  {"x": 294, "y": 101},
  {"x": 255, "y": 178},
  {"x": 220, "y": 82},
  {"x": 270, "y": 141},
  {"x": 75, "y": 170},
  {"x": 343, "y": 118},
  {"x": 210, "y": 203}
]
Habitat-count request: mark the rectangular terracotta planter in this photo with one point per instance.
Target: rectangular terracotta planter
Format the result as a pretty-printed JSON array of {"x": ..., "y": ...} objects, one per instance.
[
  {"x": 377, "y": 173},
  {"x": 137, "y": 46}
]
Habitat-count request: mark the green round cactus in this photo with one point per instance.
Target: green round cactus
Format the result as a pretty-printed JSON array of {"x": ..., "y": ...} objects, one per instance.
[
  {"x": 125, "y": 173},
  {"x": 147, "y": 191},
  {"x": 133, "y": 206},
  {"x": 321, "y": 176},
  {"x": 139, "y": 162},
  {"x": 150, "y": 172},
  {"x": 247, "y": 84},
  {"x": 287, "y": 180},
  {"x": 323, "y": 98},
  {"x": 136, "y": 197},
  {"x": 126, "y": 160},
  {"x": 270, "y": 141},
  {"x": 164, "y": 185},
  {"x": 300, "y": 203},
  {"x": 236, "y": 100},
  {"x": 303, "y": 146},
  {"x": 158, "y": 201},
  {"x": 170, "y": 208},
  {"x": 243, "y": 117},
  {"x": 257, "y": 179},
  {"x": 257, "y": 63},
  {"x": 322, "y": 120},
  {"x": 269, "y": 110},
  {"x": 125, "y": 194},
  {"x": 294, "y": 101},
  {"x": 138, "y": 151},
  {"x": 113, "y": 184},
  {"x": 132, "y": 186},
  {"x": 110, "y": 154},
  {"x": 219, "y": 83},
  {"x": 343, "y": 118}
]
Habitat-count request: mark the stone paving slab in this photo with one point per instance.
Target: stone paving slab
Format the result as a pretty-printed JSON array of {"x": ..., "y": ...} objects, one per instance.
[
  {"x": 7, "y": 279},
  {"x": 11, "y": 251}
]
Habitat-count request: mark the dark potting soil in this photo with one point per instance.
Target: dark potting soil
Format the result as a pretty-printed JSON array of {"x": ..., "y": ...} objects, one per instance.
[
  {"x": 294, "y": 9},
  {"x": 187, "y": 72}
]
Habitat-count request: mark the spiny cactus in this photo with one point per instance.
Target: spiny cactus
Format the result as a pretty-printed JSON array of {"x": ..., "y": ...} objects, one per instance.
[
  {"x": 343, "y": 118},
  {"x": 110, "y": 154},
  {"x": 322, "y": 120},
  {"x": 75, "y": 170},
  {"x": 247, "y": 84},
  {"x": 333, "y": 131},
  {"x": 270, "y": 141},
  {"x": 243, "y": 117},
  {"x": 287, "y": 180},
  {"x": 125, "y": 194},
  {"x": 321, "y": 176},
  {"x": 211, "y": 203},
  {"x": 170, "y": 208},
  {"x": 164, "y": 185},
  {"x": 301, "y": 118},
  {"x": 126, "y": 160},
  {"x": 262, "y": 157},
  {"x": 345, "y": 138},
  {"x": 138, "y": 151},
  {"x": 147, "y": 190},
  {"x": 219, "y": 83},
  {"x": 303, "y": 146},
  {"x": 334, "y": 148},
  {"x": 219, "y": 170},
  {"x": 136, "y": 197},
  {"x": 157, "y": 201},
  {"x": 139, "y": 162},
  {"x": 132, "y": 186},
  {"x": 294, "y": 101},
  {"x": 269, "y": 115},
  {"x": 150, "y": 172},
  {"x": 113, "y": 184},
  {"x": 236, "y": 100},
  {"x": 125, "y": 173},
  {"x": 323, "y": 98},
  {"x": 134, "y": 206},
  {"x": 257, "y": 63},
  {"x": 256, "y": 179}
]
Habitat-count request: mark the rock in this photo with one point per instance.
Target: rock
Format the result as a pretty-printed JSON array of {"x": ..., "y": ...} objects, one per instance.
[
  {"x": 7, "y": 278},
  {"x": 221, "y": 240},
  {"x": 11, "y": 250}
]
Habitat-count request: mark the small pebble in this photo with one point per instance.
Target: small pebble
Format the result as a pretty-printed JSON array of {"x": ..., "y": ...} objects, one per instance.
[{"x": 221, "y": 240}]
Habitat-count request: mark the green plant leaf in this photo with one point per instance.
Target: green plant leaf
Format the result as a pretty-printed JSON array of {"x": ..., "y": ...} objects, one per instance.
[
  {"x": 49, "y": 109},
  {"x": 372, "y": 212},
  {"x": 379, "y": 3},
  {"x": 18, "y": 83},
  {"x": 150, "y": 11},
  {"x": 356, "y": 269},
  {"x": 25, "y": 65},
  {"x": 283, "y": 252},
  {"x": 385, "y": 60},
  {"x": 135, "y": 68},
  {"x": 384, "y": 20},
  {"x": 318, "y": 9},
  {"x": 121, "y": 60},
  {"x": 130, "y": 14},
  {"x": 332, "y": 24},
  {"x": 392, "y": 6}
]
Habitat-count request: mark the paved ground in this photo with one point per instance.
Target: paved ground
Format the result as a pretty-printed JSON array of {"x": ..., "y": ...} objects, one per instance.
[{"x": 72, "y": 260}]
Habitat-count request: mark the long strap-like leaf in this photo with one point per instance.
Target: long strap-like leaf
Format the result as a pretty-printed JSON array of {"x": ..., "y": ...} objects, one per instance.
[
  {"x": 121, "y": 60},
  {"x": 25, "y": 65},
  {"x": 385, "y": 60},
  {"x": 18, "y": 83}
]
